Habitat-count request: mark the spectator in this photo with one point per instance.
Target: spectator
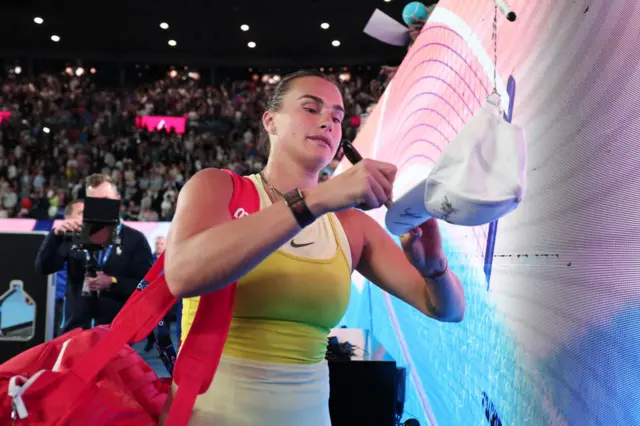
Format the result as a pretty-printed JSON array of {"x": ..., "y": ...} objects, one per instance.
[
  {"x": 62, "y": 129},
  {"x": 160, "y": 245},
  {"x": 121, "y": 269},
  {"x": 73, "y": 212},
  {"x": 173, "y": 314}
]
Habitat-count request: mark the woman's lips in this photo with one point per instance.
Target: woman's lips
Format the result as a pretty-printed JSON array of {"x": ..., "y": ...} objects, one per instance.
[{"x": 322, "y": 139}]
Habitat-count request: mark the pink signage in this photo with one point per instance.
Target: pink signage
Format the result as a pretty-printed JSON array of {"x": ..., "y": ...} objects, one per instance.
[
  {"x": 156, "y": 122},
  {"x": 4, "y": 115}
]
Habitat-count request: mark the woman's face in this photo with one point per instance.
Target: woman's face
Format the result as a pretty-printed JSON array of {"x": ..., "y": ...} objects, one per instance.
[{"x": 308, "y": 126}]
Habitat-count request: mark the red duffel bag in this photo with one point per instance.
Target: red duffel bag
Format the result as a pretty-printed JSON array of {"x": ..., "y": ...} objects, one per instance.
[{"x": 94, "y": 378}]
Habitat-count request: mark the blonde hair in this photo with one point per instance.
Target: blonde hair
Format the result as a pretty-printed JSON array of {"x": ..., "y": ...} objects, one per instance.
[{"x": 97, "y": 179}]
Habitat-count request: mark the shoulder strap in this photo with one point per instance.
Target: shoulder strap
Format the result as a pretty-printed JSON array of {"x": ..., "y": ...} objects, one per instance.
[
  {"x": 134, "y": 322},
  {"x": 245, "y": 199},
  {"x": 202, "y": 349}
]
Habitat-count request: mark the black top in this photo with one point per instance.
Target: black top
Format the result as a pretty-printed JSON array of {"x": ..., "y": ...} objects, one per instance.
[{"x": 128, "y": 265}]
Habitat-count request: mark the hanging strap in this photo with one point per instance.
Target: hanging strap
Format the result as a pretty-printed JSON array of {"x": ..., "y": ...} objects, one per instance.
[
  {"x": 202, "y": 349},
  {"x": 134, "y": 322},
  {"x": 494, "y": 38},
  {"x": 201, "y": 352}
]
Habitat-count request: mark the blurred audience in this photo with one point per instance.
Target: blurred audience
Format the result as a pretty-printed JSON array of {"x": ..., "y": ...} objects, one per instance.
[{"x": 62, "y": 128}]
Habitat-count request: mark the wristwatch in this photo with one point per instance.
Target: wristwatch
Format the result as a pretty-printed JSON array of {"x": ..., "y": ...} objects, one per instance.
[{"x": 297, "y": 204}]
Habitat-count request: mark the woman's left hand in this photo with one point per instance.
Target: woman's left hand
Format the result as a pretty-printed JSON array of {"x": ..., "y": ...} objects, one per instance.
[{"x": 423, "y": 247}]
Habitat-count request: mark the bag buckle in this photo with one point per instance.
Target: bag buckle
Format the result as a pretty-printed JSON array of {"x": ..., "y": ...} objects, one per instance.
[
  {"x": 18, "y": 409},
  {"x": 15, "y": 391}
]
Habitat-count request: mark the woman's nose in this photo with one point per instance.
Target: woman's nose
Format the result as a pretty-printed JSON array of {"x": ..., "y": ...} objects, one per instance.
[{"x": 327, "y": 123}]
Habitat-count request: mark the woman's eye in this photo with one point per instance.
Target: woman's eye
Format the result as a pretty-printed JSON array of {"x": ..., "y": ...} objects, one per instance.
[
  {"x": 337, "y": 120},
  {"x": 311, "y": 110}
]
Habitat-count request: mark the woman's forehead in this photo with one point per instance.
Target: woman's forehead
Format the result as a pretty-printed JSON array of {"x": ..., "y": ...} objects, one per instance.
[{"x": 316, "y": 87}]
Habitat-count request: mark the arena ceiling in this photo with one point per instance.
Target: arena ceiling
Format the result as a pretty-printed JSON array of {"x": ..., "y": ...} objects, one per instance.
[{"x": 208, "y": 31}]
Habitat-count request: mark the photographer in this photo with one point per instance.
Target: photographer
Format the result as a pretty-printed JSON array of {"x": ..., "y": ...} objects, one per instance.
[
  {"x": 120, "y": 268},
  {"x": 72, "y": 220}
]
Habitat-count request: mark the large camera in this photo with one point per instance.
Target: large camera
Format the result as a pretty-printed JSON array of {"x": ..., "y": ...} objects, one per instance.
[{"x": 99, "y": 234}]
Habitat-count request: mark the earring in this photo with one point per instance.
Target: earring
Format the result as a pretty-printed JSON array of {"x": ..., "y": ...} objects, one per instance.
[{"x": 273, "y": 130}]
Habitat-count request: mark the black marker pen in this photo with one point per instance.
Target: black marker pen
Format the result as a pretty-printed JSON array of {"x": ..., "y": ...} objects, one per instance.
[{"x": 354, "y": 158}]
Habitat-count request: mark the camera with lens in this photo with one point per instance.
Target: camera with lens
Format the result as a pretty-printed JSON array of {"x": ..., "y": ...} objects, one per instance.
[{"x": 98, "y": 235}]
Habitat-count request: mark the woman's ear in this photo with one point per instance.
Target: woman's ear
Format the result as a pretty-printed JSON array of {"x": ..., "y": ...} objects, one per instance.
[{"x": 268, "y": 121}]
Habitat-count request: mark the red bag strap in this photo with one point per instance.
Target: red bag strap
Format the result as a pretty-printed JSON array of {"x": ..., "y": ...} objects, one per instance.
[
  {"x": 157, "y": 269},
  {"x": 136, "y": 320},
  {"x": 202, "y": 349}
]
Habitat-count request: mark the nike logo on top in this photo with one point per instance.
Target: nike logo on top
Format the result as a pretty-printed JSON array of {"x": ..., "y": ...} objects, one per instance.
[{"x": 296, "y": 245}]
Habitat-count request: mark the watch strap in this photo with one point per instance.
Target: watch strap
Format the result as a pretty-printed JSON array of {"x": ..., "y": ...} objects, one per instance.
[{"x": 296, "y": 202}]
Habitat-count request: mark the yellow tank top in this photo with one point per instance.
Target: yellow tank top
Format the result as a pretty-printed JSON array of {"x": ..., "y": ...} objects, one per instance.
[{"x": 286, "y": 306}]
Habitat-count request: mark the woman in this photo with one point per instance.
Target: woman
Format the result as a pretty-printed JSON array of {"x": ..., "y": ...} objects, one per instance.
[{"x": 294, "y": 265}]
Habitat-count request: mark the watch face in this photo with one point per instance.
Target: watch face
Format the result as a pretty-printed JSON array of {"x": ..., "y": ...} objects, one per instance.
[{"x": 293, "y": 197}]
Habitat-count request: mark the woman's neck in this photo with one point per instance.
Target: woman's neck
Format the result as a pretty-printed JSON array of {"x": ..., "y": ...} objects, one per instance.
[{"x": 287, "y": 175}]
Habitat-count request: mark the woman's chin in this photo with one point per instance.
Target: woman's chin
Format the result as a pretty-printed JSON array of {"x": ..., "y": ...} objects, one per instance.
[
  {"x": 317, "y": 160},
  {"x": 315, "y": 156}
]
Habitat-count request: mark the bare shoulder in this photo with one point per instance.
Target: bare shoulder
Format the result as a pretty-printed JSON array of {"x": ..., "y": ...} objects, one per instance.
[
  {"x": 209, "y": 178},
  {"x": 202, "y": 203}
]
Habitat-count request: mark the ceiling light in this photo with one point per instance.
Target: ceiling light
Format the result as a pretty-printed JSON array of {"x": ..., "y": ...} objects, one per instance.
[
  {"x": 164, "y": 25},
  {"x": 387, "y": 1},
  {"x": 79, "y": 71},
  {"x": 38, "y": 20},
  {"x": 344, "y": 77},
  {"x": 335, "y": 43},
  {"x": 17, "y": 70},
  {"x": 251, "y": 44},
  {"x": 55, "y": 38},
  {"x": 92, "y": 70},
  {"x": 68, "y": 70},
  {"x": 46, "y": 129},
  {"x": 172, "y": 43},
  {"x": 244, "y": 27},
  {"x": 324, "y": 26}
]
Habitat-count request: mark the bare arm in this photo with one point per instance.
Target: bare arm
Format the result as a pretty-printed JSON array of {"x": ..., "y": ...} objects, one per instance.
[
  {"x": 385, "y": 264},
  {"x": 206, "y": 250}
]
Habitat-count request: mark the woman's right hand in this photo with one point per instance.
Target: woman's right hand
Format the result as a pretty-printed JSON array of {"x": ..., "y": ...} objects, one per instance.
[{"x": 367, "y": 185}]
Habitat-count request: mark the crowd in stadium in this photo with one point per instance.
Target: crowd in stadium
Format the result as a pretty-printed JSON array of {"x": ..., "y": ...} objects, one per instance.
[
  {"x": 56, "y": 129},
  {"x": 62, "y": 128}
]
